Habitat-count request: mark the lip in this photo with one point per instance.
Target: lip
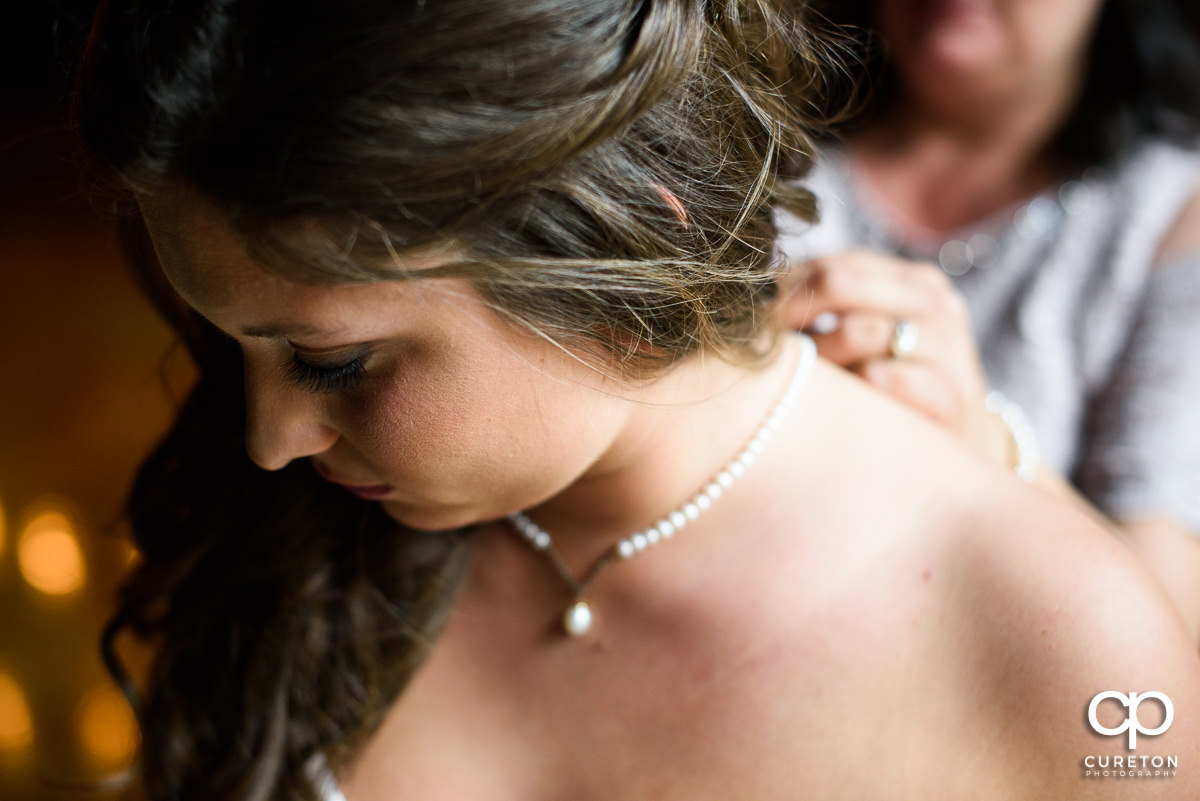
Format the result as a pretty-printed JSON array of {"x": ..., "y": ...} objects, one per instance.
[{"x": 370, "y": 492}]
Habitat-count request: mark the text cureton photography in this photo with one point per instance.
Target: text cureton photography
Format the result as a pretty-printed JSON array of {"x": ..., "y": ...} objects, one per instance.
[{"x": 1130, "y": 765}]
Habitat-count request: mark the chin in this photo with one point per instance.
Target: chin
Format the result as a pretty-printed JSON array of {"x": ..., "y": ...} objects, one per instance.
[{"x": 433, "y": 517}]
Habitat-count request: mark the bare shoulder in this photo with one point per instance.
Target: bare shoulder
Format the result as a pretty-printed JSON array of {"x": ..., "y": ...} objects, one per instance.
[
  {"x": 1062, "y": 612},
  {"x": 1184, "y": 236},
  {"x": 1033, "y": 610}
]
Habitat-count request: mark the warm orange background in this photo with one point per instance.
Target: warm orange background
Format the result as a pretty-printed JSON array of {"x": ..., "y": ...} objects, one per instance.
[{"x": 82, "y": 399}]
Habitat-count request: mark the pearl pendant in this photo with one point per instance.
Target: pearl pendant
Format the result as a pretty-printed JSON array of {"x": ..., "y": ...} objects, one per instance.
[{"x": 577, "y": 620}]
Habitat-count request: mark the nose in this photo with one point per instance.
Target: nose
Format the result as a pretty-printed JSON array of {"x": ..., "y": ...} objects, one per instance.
[{"x": 283, "y": 422}]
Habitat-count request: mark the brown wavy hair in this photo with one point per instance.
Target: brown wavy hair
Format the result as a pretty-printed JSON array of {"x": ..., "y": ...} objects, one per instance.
[{"x": 547, "y": 139}]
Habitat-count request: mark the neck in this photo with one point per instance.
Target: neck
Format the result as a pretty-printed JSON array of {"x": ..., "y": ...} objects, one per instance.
[
  {"x": 684, "y": 428},
  {"x": 937, "y": 169}
]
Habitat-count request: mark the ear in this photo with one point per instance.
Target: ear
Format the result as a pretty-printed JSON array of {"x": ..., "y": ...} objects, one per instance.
[{"x": 674, "y": 202}]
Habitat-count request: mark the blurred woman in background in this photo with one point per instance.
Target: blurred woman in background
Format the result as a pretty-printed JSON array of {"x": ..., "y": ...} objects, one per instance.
[{"x": 1010, "y": 243}]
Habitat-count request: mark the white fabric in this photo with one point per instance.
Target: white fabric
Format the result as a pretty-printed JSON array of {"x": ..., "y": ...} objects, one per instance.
[{"x": 323, "y": 779}]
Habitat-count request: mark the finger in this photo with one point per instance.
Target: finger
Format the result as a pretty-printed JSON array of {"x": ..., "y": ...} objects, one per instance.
[
  {"x": 918, "y": 386},
  {"x": 859, "y": 337},
  {"x": 865, "y": 281}
]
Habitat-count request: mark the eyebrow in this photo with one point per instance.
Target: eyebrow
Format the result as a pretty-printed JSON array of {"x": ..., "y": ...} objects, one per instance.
[{"x": 280, "y": 332}]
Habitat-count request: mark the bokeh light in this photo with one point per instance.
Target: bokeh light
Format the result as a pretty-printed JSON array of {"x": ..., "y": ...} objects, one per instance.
[
  {"x": 106, "y": 727},
  {"x": 133, "y": 556},
  {"x": 16, "y": 722},
  {"x": 49, "y": 555},
  {"x": 3, "y": 528}
]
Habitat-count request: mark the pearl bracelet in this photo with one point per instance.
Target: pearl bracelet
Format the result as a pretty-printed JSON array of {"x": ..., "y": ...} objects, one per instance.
[{"x": 1020, "y": 429}]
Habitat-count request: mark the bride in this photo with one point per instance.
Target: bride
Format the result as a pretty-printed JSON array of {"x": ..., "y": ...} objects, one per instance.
[{"x": 535, "y": 500}]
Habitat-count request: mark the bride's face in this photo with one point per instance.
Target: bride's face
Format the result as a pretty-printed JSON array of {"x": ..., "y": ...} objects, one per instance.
[{"x": 413, "y": 393}]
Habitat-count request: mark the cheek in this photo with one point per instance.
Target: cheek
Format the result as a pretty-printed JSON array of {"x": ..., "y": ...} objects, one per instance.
[
  {"x": 1056, "y": 33},
  {"x": 487, "y": 426},
  {"x": 404, "y": 424}
]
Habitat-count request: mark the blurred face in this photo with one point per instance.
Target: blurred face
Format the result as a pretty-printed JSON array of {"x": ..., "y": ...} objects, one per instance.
[
  {"x": 950, "y": 51},
  {"x": 411, "y": 393}
]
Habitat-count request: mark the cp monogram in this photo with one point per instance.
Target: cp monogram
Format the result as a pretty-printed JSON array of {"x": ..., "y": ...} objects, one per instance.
[{"x": 1131, "y": 723}]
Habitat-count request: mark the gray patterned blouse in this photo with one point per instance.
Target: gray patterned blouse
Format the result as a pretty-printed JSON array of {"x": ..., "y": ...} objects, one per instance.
[{"x": 1075, "y": 318}]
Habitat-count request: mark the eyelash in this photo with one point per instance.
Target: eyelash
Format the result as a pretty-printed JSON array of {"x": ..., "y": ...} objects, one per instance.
[{"x": 326, "y": 380}]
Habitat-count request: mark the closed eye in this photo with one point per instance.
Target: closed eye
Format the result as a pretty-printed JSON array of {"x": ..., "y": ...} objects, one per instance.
[{"x": 326, "y": 380}]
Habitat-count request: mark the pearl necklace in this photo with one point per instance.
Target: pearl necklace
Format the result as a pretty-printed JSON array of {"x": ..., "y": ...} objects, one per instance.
[
  {"x": 978, "y": 245},
  {"x": 578, "y": 618}
]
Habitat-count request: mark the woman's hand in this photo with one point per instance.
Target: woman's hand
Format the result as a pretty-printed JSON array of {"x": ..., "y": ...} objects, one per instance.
[{"x": 852, "y": 304}]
